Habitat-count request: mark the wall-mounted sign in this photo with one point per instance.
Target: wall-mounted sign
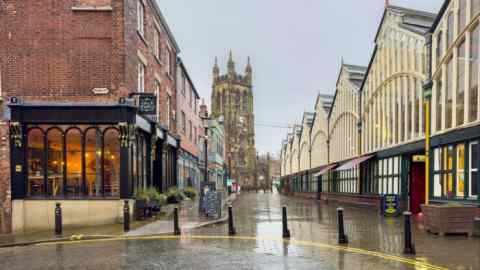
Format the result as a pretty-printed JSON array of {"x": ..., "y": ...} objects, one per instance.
[
  {"x": 18, "y": 168},
  {"x": 418, "y": 158},
  {"x": 147, "y": 103},
  {"x": 100, "y": 91},
  {"x": 390, "y": 205}
]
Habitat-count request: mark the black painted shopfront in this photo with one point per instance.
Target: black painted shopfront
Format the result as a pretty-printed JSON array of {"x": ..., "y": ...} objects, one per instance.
[{"x": 88, "y": 151}]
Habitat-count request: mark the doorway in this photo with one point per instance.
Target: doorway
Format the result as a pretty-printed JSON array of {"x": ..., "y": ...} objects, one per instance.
[{"x": 417, "y": 186}]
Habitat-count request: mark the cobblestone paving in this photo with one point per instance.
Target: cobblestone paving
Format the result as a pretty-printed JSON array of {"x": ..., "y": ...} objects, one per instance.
[{"x": 375, "y": 243}]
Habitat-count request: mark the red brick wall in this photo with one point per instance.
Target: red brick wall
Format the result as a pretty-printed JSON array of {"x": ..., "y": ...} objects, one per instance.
[
  {"x": 49, "y": 50},
  {"x": 60, "y": 50},
  {"x": 134, "y": 43}
]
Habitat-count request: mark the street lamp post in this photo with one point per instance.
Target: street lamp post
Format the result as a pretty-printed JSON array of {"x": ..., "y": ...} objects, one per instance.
[{"x": 205, "y": 121}]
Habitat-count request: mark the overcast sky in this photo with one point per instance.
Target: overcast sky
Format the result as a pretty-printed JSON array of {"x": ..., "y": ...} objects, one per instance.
[{"x": 295, "y": 47}]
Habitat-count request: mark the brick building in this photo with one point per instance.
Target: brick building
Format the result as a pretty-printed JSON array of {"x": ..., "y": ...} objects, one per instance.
[
  {"x": 73, "y": 75},
  {"x": 190, "y": 128}
]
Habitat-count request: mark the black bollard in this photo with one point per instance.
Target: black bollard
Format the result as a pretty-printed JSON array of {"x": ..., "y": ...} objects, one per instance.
[
  {"x": 286, "y": 231},
  {"x": 126, "y": 216},
  {"x": 409, "y": 246},
  {"x": 342, "y": 238},
  {"x": 176, "y": 227},
  {"x": 58, "y": 219},
  {"x": 231, "y": 228}
]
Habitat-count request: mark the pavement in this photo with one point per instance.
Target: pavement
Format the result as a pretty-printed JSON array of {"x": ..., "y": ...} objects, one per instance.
[{"x": 375, "y": 243}]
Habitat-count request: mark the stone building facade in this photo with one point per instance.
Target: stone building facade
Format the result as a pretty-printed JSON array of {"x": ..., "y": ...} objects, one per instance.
[
  {"x": 232, "y": 100},
  {"x": 73, "y": 70}
]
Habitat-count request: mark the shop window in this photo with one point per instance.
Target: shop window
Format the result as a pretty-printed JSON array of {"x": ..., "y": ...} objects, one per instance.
[
  {"x": 93, "y": 162},
  {"x": 55, "y": 162},
  {"x": 473, "y": 91},
  {"x": 460, "y": 177},
  {"x": 473, "y": 177},
  {"x": 461, "y": 83},
  {"x": 112, "y": 163},
  {"x": 443, "y": 172},
  {"x": 74, "y": 162},
  {"x": 36, "y": 158}
]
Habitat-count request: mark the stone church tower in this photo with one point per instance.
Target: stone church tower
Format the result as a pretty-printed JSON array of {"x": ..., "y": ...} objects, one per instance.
[{"x": 232, "y": 99}]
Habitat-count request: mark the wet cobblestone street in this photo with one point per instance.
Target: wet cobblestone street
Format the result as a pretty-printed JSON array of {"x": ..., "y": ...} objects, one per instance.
[{"x": 375, "y": 243}]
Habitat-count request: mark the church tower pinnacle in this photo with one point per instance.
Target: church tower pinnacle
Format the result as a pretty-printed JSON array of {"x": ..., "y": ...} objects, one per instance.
[
  {"x": 231, "y": 66},
  {"x": 216, "y": 70},
  {"x": 248, "y": 71}
]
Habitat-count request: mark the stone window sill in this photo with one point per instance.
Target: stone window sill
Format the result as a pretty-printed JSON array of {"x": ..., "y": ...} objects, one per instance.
[{"x": 92, "y": 8}]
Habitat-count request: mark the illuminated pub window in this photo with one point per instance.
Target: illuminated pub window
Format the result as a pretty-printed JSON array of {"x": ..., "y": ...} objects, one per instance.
[{"x": 73, "y": 161}]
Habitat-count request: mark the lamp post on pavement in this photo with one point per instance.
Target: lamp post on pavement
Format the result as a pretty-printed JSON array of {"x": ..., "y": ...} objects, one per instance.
[{"x": 206, "y": 122}]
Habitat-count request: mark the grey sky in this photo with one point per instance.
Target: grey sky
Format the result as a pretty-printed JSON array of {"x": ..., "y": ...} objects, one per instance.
[{"x": 295, "y": 45}]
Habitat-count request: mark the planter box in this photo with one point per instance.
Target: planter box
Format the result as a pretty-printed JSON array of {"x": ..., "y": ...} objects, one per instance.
[{"x": 443, "y": 219}]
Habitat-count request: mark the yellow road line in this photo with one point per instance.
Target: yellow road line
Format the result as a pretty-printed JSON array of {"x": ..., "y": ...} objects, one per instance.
[{"x": 78, "y": 239}]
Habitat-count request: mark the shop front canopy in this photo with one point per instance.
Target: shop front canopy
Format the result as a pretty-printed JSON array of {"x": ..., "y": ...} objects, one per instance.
[
  {"x": 354, "y": 162},
  {"x": 325, "y": 169}
]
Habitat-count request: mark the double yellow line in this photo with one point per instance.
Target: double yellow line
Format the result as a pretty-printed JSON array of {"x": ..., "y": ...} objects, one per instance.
[{"x": 78, "y": 239}]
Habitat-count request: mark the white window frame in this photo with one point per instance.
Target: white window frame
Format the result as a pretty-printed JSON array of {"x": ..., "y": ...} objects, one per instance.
[
  {"x": 141, "y": 77},
  {"x": 140, "y": 18},
  {"x": 470, "y": 169}
]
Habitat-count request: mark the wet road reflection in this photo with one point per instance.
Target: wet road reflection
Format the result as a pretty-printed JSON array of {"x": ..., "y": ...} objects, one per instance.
[{"x": 375, "y": 243}]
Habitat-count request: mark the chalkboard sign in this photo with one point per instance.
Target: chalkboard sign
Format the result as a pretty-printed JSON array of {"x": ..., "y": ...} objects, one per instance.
[
  {"x": 390, "y": 205},
  {"x": 212, "y": 202},
  {"x": 147, "y": 104}
]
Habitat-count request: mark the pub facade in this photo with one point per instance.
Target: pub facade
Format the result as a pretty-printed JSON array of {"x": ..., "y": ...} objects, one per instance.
[{"x": 90, "y": 111}]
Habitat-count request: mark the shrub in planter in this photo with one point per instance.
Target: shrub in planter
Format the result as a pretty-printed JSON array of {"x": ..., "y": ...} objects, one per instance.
[
  {"x": 190, "y": 192},
  {"x": 174, "y": 195}
]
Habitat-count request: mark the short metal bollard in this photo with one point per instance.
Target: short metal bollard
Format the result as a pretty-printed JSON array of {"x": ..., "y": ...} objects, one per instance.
[
  {"x": 342, "y": 238},
  {"x": 286, "y": 231},
  {"x": 176, "y": 227},
  {"x": 58, "y": 219},
  {"x": 231, "y": 228},
  {"x": 126, "y": 216},
  {"x": 409, "y": 246}
]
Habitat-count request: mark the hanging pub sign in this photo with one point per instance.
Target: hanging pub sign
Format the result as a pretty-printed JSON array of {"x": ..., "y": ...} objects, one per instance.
[
  {"x": 390, "y": 205},
  {"x": 147, "y": 103}
]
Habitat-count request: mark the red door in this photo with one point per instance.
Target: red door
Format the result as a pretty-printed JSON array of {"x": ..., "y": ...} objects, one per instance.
[{"x": 417, "y": 187}]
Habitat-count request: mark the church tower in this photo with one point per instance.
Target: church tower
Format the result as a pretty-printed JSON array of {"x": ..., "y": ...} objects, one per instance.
[{"x": 232, "y": 99}]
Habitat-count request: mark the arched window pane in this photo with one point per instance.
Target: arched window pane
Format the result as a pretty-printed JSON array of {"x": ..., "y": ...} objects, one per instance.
[
  {"x": 55, "y": 163},
  {"x": 112, "y": 163},
  {"x": 93, "y": 162},
  {"x": 74, "y": 163},
  {"x": 35, "y": 148}
]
